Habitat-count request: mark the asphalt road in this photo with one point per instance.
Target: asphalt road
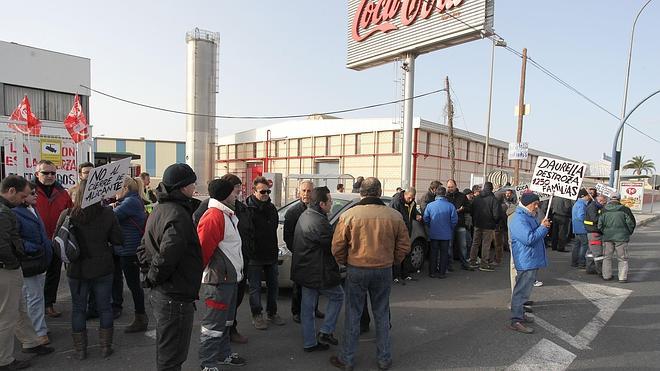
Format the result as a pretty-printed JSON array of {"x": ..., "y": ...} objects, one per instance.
[{"x": 583, "y": 322}]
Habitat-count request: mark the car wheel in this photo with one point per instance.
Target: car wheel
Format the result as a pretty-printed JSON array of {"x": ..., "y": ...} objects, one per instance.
[{"x": 417, "y": 253}]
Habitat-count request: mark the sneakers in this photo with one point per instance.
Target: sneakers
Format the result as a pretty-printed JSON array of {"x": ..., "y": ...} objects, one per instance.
[
  {"x": 296, "y": 318},
  {"x": 518, "y": 326},
  {"x": 528, "y": 319},
  {"x": 623, "y": 281},
  {"x": 44, "y": 340},
  {"x": 236, "y": 337},
  {"x": 538, "y": 283},
  {"x": 234, "y": 360},
  {"x": 317, "y": 347},
  {"x": 276, "y": 320},
  {"x": 337, "y": 362},
  {"x": 319, "y": 314},
  {"x": 327, "y": 338},
  {"x": 528, "y": 309},
  {"x": 39, "y": 350},
  {"x": 259, "y": 322},
  {"x": 486, "y": 268},
  {"x": 210, "y": 369},
  {"x": 384, "y": 365}
]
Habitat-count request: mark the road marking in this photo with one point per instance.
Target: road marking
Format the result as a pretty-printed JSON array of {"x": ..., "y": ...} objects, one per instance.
[
  {"x": 607, "y": 299},
  {"x": 544, "y": 356}
]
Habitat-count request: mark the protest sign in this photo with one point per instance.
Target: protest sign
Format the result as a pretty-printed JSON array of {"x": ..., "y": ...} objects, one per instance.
[
  {"x": 632, "y": 195},
  {"x": 604, "y": 190},
  {"x": 518, "y": 151},
  {"x": 105, "y": 180},
  {"x": 520, "y": 189},
  {"x": 557, "y": 177},
  {"x": 24, "y": 162}
]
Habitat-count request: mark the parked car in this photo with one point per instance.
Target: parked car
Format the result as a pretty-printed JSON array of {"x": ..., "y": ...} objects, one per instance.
[{"x": 340, "y": 203}]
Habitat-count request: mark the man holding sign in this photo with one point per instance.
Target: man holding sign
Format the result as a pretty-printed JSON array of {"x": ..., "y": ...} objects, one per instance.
[{"x": 528, "y": 250}]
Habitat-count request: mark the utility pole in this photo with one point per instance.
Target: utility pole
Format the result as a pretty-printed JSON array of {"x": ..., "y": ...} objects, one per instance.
[
  {"x": 450, "y": 124},
  {"x": 521, "y": 113}
]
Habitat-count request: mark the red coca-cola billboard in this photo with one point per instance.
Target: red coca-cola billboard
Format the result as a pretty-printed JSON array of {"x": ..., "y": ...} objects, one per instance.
[{"x": 383, "y": 30}]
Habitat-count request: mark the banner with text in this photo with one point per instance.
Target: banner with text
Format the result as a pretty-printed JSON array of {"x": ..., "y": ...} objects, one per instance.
[
  {"x": 518, "y": 151},
  {"x": 558, "y": 177},
  {"x": 520, "y": 189},
  {"x": 632, "y": 195},
  {"x": 604, "y": 190},
  {"x": 25, "y": 162},
  {"x": 105, "y": 180}
]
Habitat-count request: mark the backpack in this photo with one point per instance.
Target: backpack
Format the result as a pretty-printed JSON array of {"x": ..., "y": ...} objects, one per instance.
[{"x": 65, "y": 244}]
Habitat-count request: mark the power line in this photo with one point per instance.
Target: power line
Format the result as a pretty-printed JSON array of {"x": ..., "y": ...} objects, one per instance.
[
  {"x": 260, "y": 117},
  {"x": 549, "y": 73}
]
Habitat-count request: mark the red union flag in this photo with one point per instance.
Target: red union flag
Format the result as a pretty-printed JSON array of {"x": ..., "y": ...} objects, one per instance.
[
  {"x": 24, "y": 113},
  {"x": 76, "y": 122}
]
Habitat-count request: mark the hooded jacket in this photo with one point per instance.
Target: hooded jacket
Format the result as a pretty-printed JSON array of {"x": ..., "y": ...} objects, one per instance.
[
  {"x": 11, "y": 244},
  {"x": 616, "y": 223},
  {"x": 132, "y": 218},
  {"x": 221, "y": 245},
  {"x": 97, "y": 230},
  {"x": 527, "y": 240},
  {"x": 170, "y": 249},
  {"x": 370, "y": 235},
  {"x": 578, "y": 214},
  {"x": 313, "y": 265},
  {"x": 441, "y": 217},
  {"x": 265, "y": 220},
  {"x": 486, "y": 210}
]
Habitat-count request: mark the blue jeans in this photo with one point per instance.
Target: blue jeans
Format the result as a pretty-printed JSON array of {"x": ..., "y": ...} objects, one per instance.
[
  {"x": 378, "y": 283},
  {"x": 521, "y": 292},
  {"x": 439, "y": 257},
  {"x": 33, "y": 291},
  {"x": 80, "y": 289},
  {"x": 578, "y": 255},
  {"x": 460, "y": 239},
  {"x": 309, "y": 299},
  {"x": 254, "y": 278}
]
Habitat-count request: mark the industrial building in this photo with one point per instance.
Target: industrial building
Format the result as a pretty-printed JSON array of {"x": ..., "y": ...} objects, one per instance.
[
  {"x": 154, "y": 155},
  {"x": 50, "y": 80},
  {"x": 362, "y": 147}
]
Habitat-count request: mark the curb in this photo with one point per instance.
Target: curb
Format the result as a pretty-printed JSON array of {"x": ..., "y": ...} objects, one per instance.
[{"x": 649, "y": 220}]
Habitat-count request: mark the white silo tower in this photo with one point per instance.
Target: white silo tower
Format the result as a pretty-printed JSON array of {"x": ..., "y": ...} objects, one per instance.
[{"x": 201, "y": 89}]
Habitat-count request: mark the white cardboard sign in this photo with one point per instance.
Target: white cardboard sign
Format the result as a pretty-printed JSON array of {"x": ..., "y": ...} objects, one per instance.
[
  {"x": 604, "y": 190},
  {"x": 520, "y": 189},
  {"x": 105, "y": 180},
  {"x": 558, "y": 177},
  {"x": 518, "y": 151}
]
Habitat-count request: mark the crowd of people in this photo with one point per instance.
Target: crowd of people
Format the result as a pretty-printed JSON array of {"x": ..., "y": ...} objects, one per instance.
[{"x": 183, "y": 250}]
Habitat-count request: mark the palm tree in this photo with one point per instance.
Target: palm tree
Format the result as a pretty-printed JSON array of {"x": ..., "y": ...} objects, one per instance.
[{"x": 639, "y": 164}]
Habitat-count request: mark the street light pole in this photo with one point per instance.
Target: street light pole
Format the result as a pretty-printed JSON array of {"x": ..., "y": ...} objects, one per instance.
[
  {"x": 625, "y": 91},
  {"x": 496, "y": 42}
]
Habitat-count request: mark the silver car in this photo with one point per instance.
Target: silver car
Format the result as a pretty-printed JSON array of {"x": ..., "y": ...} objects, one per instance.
[{"x": 340, "y": 203}]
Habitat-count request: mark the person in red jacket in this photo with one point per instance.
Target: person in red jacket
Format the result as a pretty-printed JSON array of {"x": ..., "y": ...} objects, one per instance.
[{"x": 52, "y": 199}]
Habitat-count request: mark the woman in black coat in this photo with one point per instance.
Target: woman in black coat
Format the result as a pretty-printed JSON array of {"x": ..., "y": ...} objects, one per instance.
[{"x": 96, "y": 230}]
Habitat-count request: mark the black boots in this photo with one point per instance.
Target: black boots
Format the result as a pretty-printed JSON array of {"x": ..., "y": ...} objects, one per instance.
[
  {"x": 139, "y": 324},
  {"x": 105, "y": 341}
]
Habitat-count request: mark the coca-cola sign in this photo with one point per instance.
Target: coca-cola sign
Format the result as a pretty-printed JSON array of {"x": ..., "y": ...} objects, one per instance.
[
  {"x": 380, "y": 31},
  {"x": 380, "y": 14}
]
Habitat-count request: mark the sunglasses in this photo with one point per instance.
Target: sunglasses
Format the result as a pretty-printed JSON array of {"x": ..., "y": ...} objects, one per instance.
[
  {"x": 265, "y": 191},
  {"x": 47, "y": 172},
  {"x": 33, "y": 193}
]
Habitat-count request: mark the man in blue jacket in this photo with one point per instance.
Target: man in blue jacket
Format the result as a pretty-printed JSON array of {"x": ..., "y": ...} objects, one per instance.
[
  {"x": 528, "y": 251},
  {"x": 441, "y": 218},
  {"x": 581, "y": 242}
]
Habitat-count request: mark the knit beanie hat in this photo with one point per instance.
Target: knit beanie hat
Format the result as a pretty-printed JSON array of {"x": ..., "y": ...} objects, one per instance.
[
  {"x": 177, "y": 176},
  {"x": 528, "y": 198},
  {"x": 583, "y": 192},
  {"x": 220, "y": 189}
]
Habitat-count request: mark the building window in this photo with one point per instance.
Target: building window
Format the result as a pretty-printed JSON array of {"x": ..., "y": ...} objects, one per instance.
[
  {"x": 300, "y": 143},
  {"x": 467, "y": 151},
  {"x": 427, "y": 148},
  {"x": 358, "y": 144},
  {"x": 328, "y": 145},
  {"x": 254, "y": 150}
]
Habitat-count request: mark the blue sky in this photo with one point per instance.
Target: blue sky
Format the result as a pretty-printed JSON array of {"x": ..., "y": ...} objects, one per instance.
[{"x": 288, "y": 57}]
